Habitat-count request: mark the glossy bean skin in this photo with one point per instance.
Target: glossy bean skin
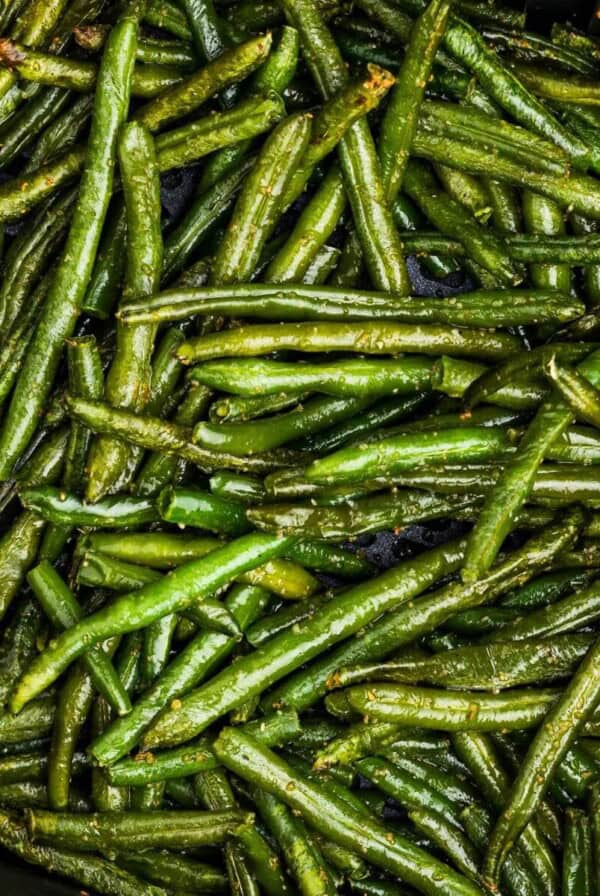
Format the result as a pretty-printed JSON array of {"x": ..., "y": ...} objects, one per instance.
[
  {"x": 190, "y": 582},
  {"x": 160, "y": 435},
  {"x": 259, "y": 204},
  {"x": 369, "y": 338},
  {"x": 437, "y": 709},
  {"x": 358, "y": 463},
  {"x": 195, "y": 662},
  {"x": 511, "y": 666},
  {"x": 407, "y": 623},
  {"x": 334, "y": 818},
  {"x": 202, "y": 510},
  {"x": 129, "y": 378},
  {"x": 370, "y": 514},
  {"x": 286, "y": 651},
  {"x": 295, "y": 302},
  {"x": 66, "y": 295},
  {"x": 382, "y": 248},
  {"x": 63, "y": 610},
  {"x": 400, "y": 121},
  {"x": 549, "y": 746},
  {"x": 54, "y": 505},
  {"x": 184, "y": 98},
  {"x": 90, "y": 871},
  {"x": 181, "y": 762},
  {"x": 260, "y": 436},
  {"x": 133, "y": 830}
]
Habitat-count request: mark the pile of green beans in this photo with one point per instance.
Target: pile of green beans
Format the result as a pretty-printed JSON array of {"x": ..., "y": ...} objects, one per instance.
[{"x": 300, "y": 473}]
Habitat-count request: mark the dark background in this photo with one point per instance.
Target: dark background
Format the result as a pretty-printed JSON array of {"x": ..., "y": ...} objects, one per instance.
[{"x": 385, "y": 549}]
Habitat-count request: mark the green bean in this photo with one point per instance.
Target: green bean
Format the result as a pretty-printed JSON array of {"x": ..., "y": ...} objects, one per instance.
[
  {"x": 576, "y": 390},
  {"x": 170, "y": 438},
  {"x": 256, "y": 436},
  {"x": 348, "y": 103},
  {"x": 230, "y": 67},
  {"x": 389, "y": 410},
  {"x": 19, "y": 642},
  {"x": 20, "y": 194},
  {"x": 515, "y": 482},
  {"x": 388, "y": 456},
  {"x": 553, "y": 484},
  {"x": 373, "y": 221},
  {"x": 357, "y": 741},
  {"x": 18, "y": 550},
  {"x": 283, "y": 619},
  {"x": 368, "y": 338},
  {"x": 549, "y": 746},
  {"x": 167, "y": 17},
  {"x": 29, "y": 256},
  {"x": 477, "y": 752},
  {"x": 400, "y": 120},
  {"x": 109, "y": 266},
  {"x": 483, "y": 246},
  {"x": 73, "y": 706},
  {"x": 578, "y": 869},
  {"x": 245, "y": 489},
  {"x": 566, "y": 615},
  {"x": 163, "y": 551},
  {"x": 85, "y": 378},
  {"x": 77, "y": 75},
  {"x": 487, "y": 382},
  {"x": 407, "y": 623},
  {"x": 442, "y": 710},
  {"x": 186, "y": 585},
  {"x": 541, "y": 215},
  {"x": 490, "y": 667},
  {"x": 193, "y": 141},
  {"x": 202, "y": 510},
  {"x": 577, "y": 192},
  {"x": 469, "y": 124},
  {"x": 335, "y": 819},
  {"x": 160, "y": 470},
  {"x": 546, "y": 590},
  {"x": 35, "y": 721},
  {"x": 313, "y": 228},
  {"x": 134, "y": 830},
  {"x": 301, "y": 852},
  {"x": 215, "y": 791},
  {"x": 88, "y": 871},
  {"x": 466, "y": 190},
  {"x": 193, "y": 663},
  {"x": 145, "y": 768},
  {"x": 173, "y": 871},
  {"x": 69, "y": 285},
  {"x": 392, "y": 509},
  {"x": 259, "y": 204},
  {"x": 449, "y": 839},
  {"x": 20, "y": 543},
  {"x": 205, "y": 211},
  {"x": 63, "y": 611},
  {"x": 517, "y": 874},
  {"x": 469, "y": 48},
  {"x": 55, "y": 505},
  {"x": 128, "y": 381},
  {"x": 409, "y": 792},
  {"x": 294, "y": 302},
  {"x": 98, "y": 571},
  {"x": 339, "y": 618}
]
